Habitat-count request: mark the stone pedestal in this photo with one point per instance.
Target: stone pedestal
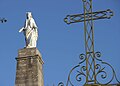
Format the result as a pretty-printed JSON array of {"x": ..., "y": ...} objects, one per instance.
[{"x": 29, "y": 68}]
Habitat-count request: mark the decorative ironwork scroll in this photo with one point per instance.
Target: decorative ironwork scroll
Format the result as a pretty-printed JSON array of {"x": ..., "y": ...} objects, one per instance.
[{"x": 105, "y": 73}]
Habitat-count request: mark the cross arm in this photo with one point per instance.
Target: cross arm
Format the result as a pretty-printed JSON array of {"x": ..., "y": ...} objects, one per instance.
[{"x": 88, "y": 16}]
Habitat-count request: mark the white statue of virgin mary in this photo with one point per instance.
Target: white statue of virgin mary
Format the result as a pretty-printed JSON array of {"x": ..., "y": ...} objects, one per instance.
[{"x": 30, "y": 31}]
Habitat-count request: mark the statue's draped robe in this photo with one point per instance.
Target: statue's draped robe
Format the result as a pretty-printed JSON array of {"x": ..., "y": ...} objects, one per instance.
[{"x": 30, "y": 32}]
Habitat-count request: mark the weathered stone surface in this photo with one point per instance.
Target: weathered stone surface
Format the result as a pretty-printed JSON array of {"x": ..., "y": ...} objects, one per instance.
[
  {"x": 29, "y": 68},
  {"x": 28, "y": 52}
]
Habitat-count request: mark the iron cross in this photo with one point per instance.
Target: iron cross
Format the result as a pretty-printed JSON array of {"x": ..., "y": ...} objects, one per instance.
[{"x": 87, "y": 17}]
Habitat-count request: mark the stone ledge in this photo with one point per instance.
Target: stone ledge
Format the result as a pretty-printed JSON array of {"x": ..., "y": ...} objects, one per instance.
[
  {"x": 26, "y": 52},
  {"x": 29, "y": 52}
]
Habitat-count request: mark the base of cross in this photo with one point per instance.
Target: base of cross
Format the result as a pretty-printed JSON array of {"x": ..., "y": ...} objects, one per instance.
[{"x": 102, "y": 85}]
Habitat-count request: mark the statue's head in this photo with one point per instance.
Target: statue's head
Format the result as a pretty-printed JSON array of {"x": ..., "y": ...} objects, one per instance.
[{"x": 29, "y": 15}]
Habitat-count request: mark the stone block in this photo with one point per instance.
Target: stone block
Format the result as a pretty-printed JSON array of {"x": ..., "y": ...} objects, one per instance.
[{"x": 29, "y": 68}]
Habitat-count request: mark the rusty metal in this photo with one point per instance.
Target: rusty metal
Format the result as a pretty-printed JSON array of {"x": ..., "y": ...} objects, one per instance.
[
  {"x": 77, "y": 74},
  {"x": 107, "y": 14},
  {"x": 91, "y": 69}
]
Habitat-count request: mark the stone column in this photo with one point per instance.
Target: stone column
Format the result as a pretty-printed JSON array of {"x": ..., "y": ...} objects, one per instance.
[{"x": 29, "y": 68}]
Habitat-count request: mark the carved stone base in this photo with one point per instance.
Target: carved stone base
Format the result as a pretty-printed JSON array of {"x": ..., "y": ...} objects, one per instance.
[{"x": 29, "y": 68}]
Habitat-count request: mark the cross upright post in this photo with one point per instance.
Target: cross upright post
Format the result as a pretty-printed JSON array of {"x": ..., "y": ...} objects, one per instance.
[{"x": 87, "y": 17}]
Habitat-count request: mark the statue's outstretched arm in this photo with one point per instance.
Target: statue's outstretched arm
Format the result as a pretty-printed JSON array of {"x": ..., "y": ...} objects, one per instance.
[
  {"x": 21, "y": 29},
  {"x": 25, "y": 25}
]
